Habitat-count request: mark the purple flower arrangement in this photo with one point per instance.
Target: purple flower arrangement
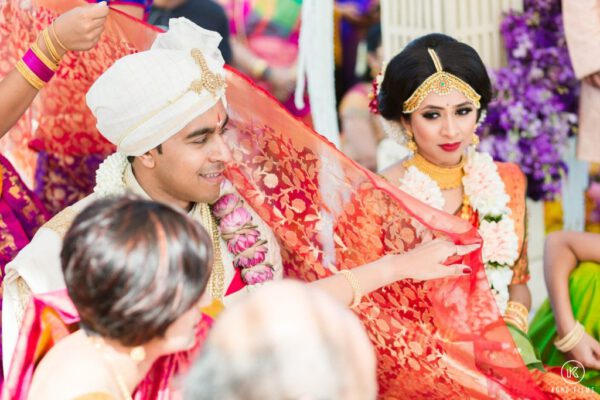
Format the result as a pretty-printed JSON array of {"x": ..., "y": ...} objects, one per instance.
[{"x": 535, "y": 106}]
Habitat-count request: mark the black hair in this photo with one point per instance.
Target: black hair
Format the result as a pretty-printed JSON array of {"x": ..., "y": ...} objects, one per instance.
[
  {"x": 132, "y": 267},
  {"x": 413, "y": 65}
]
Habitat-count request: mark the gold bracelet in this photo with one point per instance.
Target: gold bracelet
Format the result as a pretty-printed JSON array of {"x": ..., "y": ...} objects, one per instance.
[
  {"x": 571, "y": 339},
  {"x": 518, "y": 313},
  {"x": 516, "y": 322},
  {"x": 356, "y": 290},
  {"x": 53, "y": 31},
  {"x": 510, "y": 321},
  {"x": 50, "y": 46},
  {"x": 29, "y": 75},
  {"x": 516, "y": 317},
  {"x": 517, "y": 307},
  {"x": 43, "y": 57},
  {"x": 572, "y": 342}
]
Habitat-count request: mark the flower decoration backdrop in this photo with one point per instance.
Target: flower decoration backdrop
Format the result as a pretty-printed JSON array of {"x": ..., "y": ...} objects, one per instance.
[{"x": 535, "y": 106}]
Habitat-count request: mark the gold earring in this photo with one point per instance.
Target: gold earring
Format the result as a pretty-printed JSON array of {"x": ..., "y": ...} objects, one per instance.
[
  {"x": 138, "y": 354},
  {"x": 411, "y": 145},
  {"x": 475, "y": 139}
]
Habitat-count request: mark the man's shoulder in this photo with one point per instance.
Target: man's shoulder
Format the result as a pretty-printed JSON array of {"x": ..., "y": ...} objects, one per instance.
[{"x": 62, "y": 221}]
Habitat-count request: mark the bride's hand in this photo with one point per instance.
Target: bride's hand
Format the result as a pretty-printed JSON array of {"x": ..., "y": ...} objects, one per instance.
[{"x": 426, "y": 261}]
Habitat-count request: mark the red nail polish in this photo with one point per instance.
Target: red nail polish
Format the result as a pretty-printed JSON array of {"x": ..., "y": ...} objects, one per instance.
[{"x": 466, "y": 270}]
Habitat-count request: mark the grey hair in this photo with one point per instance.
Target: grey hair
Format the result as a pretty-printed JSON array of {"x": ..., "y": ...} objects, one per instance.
[{"x": 285, "y": 341}]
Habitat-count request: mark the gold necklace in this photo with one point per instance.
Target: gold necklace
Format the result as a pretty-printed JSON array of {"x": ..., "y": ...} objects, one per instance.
[
  {"x": 216, "y": 282},
  {"x": 445, "y": 177}
]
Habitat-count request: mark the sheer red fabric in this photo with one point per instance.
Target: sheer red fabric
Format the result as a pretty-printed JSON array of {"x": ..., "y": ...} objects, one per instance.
[{"x": 439, "y": 339}]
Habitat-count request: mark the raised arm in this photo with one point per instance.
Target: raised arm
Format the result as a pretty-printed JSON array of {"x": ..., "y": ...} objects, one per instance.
[{"x": 78, "y": 29}]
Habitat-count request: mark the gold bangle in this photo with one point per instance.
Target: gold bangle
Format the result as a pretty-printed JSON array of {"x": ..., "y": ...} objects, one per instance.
[
  {"x": 516, "y": 316},
  {"x": 517, "y": 321},
  {"x": 43, "y": 57},
  {"x": 356, "y": 290},
  {"x": 53, "y": 31},
  {"x": 519, "y": 313},
  {"x": 571, "y": 339},
  {"x": 572, "y": 342},
  {"x": 29, "y": 75},
  {"x": 50, "y": 46},
  {"x": 517, "y": 307}
]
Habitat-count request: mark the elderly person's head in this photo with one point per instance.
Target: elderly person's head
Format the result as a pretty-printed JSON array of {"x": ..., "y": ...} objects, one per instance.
[
  {"x": 136, "y": 271},
  {"x": 285, "y": 341}
]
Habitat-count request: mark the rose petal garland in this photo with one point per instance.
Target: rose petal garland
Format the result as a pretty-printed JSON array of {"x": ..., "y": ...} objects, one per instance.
[
  {"x": 486, "y": 192},
  {"x": 242, "y": 237}
]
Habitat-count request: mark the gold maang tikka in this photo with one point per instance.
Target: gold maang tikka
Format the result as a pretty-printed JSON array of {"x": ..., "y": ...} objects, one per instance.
[{"x": 441, "y": 83}]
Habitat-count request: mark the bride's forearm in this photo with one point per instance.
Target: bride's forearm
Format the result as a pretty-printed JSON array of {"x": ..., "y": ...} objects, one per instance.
[{"x": 370, "y": 277}]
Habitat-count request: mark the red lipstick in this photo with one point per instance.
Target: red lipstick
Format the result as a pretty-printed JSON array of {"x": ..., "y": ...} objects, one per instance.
[{"x": 450, "y": 147}]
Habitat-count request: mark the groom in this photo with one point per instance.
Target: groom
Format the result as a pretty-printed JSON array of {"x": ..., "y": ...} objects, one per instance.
[{"x": 165, "y": 110}]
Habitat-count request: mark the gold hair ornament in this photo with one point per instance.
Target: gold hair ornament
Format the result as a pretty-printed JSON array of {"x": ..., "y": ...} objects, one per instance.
[{"x": 441, "y": 83}]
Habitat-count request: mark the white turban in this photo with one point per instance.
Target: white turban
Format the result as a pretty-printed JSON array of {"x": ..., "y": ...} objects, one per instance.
[{"x": 145, "y": 98}]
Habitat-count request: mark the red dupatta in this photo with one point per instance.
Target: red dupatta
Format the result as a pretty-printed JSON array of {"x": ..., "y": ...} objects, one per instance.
[{"x": 438, "y": 339}]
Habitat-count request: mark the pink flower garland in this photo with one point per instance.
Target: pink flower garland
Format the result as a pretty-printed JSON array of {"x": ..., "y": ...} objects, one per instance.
[{"x": 243, "y": 239}]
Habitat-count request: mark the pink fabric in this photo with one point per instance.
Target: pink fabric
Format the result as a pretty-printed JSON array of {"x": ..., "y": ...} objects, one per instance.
[
  {"x": 51, "y": 317},
  {"x": 29, "y": 346}
]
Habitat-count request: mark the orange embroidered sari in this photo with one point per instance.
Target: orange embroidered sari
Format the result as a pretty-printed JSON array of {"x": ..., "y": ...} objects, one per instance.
[{"x": 438, "y": 339}]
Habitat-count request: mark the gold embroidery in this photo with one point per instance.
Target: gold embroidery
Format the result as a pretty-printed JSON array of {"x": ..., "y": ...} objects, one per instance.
[
  {"x": 61, "y": 222},
  {"x": 209, "y": 81},
  {"x": 24, "y": 296},
  {"x": 216, "y": 283}
]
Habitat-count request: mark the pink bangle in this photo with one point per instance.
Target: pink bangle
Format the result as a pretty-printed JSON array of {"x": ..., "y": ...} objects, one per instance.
[{"x": 37, "y": 66}]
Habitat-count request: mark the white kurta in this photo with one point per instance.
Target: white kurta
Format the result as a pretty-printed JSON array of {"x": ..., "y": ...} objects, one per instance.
[{"x": 36, "y": 269}]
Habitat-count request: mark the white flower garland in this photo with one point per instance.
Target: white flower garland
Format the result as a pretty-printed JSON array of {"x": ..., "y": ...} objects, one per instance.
[
  {"x": 486, "y": 192},
  {"x": 110, "y": 176}
]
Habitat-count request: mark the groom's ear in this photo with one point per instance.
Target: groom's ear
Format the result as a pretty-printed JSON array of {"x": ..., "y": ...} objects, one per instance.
[{"x": 148, "y": 159}]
